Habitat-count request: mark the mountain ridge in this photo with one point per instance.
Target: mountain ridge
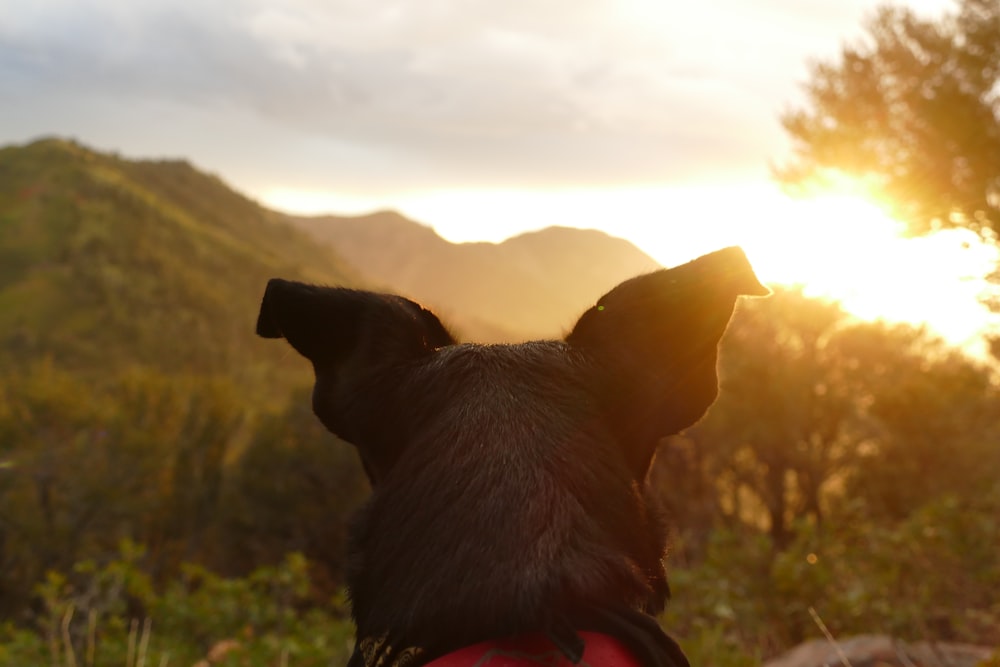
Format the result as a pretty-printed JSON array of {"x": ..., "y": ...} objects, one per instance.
[
  {"x": 532, "y": 285},
  {"x": 108, "y": 262}
]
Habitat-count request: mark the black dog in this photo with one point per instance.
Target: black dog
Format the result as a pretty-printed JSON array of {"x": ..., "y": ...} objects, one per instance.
[{"x": 508, "y": 481}]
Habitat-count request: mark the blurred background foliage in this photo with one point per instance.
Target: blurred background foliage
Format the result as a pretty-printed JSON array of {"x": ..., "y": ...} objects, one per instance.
[
  {"x": 847, "y": 466},
  {"x": 166, "y": 495}
]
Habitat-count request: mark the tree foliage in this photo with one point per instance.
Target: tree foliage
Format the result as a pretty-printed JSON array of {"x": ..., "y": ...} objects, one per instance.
[
  {"x": 292, "y": 490},
  {"x": 912, "y": 109},
  {"x": 840, "y": 455},
  {"x": 169, "y": 462},
  {"x": 108, "y": 263},
  {"x": 85, "y": 469},
  {"x": 139, "y": 478}
]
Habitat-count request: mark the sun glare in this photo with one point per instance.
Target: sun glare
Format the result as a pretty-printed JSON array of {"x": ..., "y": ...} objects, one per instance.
[
  {"x": 844, "y": 246},
  {"x": 837, "y": 243}
]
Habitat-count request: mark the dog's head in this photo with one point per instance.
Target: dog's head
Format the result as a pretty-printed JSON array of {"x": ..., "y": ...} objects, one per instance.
[{"x": 518, "y": 467}]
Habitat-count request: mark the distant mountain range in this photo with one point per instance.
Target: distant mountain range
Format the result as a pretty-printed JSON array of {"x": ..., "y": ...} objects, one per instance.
[
  {"x": 108, "y": 262},
  {"x": 531, "y": 286}
]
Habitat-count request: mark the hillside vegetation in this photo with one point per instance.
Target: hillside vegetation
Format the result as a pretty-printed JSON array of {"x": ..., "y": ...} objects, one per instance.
[
  {"x": 166, "y": 492},
  {"x": 107, "y": 263}
]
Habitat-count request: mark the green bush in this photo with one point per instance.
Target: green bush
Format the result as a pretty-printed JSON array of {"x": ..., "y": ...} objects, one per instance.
[
  {"x": 931, "y": 576},
  {"x": 113, "y": 616}
]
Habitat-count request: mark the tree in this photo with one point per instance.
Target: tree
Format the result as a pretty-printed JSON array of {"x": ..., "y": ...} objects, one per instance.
[
  {"x": 937, "y": 415},
  {"x": 817, "y": 408},
  {"x": 841, "y": 458},
  {"x": 292, "y": 489},
  {"x": 912, "y": 111},
  {"x": 84, "y": 467},
  {"x": 48, "y": 424},
  {"x": 790, "y": 413}
]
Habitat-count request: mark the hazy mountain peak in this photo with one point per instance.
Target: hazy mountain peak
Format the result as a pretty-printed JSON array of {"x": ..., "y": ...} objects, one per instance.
[
  {"x": 101, "y": 252},
  {"x": 531, "y": 285}
]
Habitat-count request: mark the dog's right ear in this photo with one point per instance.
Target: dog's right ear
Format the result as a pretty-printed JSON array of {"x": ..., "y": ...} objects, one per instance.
[
  {"x": 654, "y": 342},
  {"x": 349, "y": 336}
]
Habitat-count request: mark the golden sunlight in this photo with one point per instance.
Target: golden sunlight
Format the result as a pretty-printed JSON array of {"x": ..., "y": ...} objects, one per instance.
[
  {"x": 836, "y": 243},
  {"x": 841, "y": 245}
]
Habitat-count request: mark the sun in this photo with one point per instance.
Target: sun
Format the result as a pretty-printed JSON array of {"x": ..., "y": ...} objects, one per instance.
[
  {"x": 827, "y": 243},
  {"x": 843, "y": 245},
  {"x": 837, "y": 242}
]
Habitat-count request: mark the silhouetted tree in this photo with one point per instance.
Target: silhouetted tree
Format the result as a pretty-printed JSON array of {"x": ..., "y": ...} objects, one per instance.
[
  {"x": 789, "y": 416},
  {"x": 937, "y": 418},
  {"x": 913, "y": 110},
  {"x": 816, "y": 407}
]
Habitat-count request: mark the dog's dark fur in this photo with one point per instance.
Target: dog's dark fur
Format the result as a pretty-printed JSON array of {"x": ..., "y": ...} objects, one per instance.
[{"x": 509, "y": 480}]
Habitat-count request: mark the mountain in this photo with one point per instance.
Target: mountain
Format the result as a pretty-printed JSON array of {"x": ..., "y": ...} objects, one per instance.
[
  {"x": 107, "y": 262},
  {"x": 533, "y": 285}
]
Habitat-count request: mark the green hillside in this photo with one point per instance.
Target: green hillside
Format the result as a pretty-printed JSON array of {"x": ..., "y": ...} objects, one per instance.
[
  {"x": 137, "y": 405},
  {"x": 107, "y": 262}
]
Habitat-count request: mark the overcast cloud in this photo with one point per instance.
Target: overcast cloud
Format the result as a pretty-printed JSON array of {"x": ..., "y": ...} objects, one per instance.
[{"x": 371, "y": 96}]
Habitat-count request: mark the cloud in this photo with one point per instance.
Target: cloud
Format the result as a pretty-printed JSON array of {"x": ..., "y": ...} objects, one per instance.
[{"x": 517, "y": 93}]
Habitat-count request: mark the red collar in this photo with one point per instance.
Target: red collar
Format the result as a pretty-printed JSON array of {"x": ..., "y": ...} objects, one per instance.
[{"x": 537, "y": 651}]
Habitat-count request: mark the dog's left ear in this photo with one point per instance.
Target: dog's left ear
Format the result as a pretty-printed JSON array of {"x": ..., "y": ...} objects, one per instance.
[
  {"x": 350, "y": 336},
  {"x": 333, "y": 325},
  {"x": 654, "y": 340}
]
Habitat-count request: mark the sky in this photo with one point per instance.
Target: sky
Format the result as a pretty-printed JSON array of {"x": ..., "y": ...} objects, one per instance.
[{"x": 653, "y": 120}]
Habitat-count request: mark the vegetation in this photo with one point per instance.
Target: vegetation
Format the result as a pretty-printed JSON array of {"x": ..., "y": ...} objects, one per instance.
[
  {"x": 166, "y": 494},
  {"x": 104, "y": 615},
  {"x": 160, "y": 461},
  {"x": 848, "y": 467},
  {"x": 138, "y": 408},
  {"x": 912, "y": 110},
  {"x": 107, "y": 263},
  {"x": 886, "y": 500}
]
